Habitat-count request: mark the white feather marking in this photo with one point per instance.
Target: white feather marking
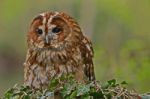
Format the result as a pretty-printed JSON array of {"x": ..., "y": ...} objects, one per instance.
[
  {"x": 42, "y": 14},
  {"x": 56, "y": 13},
  {"x": 50, "y": 20},
  {"x": 44, "y": 20},
  {"x": 52, "y": 16},
  {"x": 43, "y": 25},
  {"x": 87, "y": 54},
  {"x": 88, "y": 47}
]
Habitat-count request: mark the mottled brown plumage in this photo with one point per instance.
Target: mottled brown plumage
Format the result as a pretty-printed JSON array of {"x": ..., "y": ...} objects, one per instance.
[{"x": 56, "y": 46}]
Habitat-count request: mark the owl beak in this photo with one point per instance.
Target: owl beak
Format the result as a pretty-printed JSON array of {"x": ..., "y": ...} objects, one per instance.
[{"x": 46, "y": 39}]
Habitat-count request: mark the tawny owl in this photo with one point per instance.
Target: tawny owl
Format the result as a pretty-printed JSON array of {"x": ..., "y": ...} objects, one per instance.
[{"x": 56, "y": 46}]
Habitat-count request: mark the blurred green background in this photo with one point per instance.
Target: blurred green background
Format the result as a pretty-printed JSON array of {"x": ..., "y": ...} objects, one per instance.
[{"x": 119, "y": 29}]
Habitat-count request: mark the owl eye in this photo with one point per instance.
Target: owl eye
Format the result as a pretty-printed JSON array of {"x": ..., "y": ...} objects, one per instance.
[
  {"x": 56, "y": 30},
  {"x": 39, "y": 31}
]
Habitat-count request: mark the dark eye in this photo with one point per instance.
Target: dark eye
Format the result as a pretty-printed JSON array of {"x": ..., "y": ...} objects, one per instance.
[
  {"x": 39, "y": 31},
  {"x": 56, "y": 30}
]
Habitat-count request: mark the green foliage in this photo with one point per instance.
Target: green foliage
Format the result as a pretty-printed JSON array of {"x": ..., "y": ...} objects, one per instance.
[
  {"x": 24, "y": 92},
  {"x": 68, "y": 88}
]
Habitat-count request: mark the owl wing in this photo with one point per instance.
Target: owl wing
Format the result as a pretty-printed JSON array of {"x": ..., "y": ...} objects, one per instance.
[{"x": 87, "y": 55}]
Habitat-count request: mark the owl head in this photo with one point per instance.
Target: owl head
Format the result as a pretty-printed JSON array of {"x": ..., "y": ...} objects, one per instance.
[{"x": 53, "y": 30}]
